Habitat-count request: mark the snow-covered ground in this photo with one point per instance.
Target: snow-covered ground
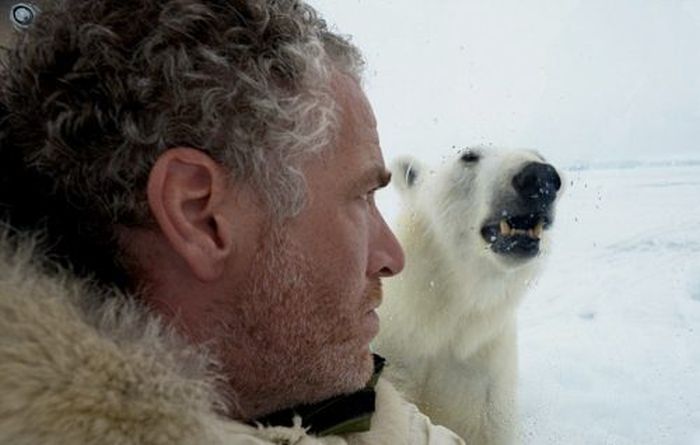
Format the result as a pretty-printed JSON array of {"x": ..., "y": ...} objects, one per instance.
[
  {"x": 610, "y": 332},
  {"x": 610, "y": 335}
]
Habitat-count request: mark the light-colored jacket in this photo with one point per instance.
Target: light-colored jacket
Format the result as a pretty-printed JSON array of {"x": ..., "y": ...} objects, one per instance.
[{"x": 77, "y": 368}]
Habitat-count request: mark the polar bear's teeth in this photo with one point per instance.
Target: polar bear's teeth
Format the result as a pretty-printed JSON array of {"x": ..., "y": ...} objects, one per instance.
[
  {"x": 508, "y": 230},
  {"x": 505, "y": 228},
  {"x": 539, "y": 228}
]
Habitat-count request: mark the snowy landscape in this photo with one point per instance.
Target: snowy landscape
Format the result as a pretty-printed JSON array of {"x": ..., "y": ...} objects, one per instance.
[{"x": 610, "y": 332}]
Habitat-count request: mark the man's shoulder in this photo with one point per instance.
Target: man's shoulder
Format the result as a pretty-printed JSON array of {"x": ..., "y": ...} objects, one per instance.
[{"x": 396, "y": 421}]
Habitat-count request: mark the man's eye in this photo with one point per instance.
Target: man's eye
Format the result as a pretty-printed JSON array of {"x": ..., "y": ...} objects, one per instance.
[{"x": 369, "y": 196}]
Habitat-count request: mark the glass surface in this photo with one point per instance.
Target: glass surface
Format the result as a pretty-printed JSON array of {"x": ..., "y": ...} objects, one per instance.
[{"x": 609, "y": 92}]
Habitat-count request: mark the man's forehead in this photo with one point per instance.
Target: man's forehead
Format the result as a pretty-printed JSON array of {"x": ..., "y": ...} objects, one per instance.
[
  {"x": 356, "y": 144},
  {"x": 352, "y": 100}
]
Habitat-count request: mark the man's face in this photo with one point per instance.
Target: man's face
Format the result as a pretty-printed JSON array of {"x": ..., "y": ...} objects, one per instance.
[{"x": 305, "y": 305}]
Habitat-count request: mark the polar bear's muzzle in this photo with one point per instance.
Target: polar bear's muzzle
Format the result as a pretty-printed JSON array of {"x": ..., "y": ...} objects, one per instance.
[
  {"x": 520, "y": 224},
  {"x": 516, "y": 235}
]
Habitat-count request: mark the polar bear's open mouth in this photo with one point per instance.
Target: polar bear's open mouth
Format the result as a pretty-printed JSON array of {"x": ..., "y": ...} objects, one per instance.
[{"x": 518, "y": 236}]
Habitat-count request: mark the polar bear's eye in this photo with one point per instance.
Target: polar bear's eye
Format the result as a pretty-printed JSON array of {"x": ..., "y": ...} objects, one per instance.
[{"x": 470, "y": 157}]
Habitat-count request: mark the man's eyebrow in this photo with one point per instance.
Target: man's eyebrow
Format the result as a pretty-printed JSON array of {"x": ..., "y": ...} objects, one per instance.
[
  {"x": 384, "y": 177},
  {"x": 378, "y": 175}
]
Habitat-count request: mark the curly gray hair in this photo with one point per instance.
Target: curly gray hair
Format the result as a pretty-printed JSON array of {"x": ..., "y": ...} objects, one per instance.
[{"x": 95, "y": 90}]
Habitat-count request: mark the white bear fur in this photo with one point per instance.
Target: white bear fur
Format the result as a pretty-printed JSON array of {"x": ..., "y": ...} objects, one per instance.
[{"x": 449, "y": 320}]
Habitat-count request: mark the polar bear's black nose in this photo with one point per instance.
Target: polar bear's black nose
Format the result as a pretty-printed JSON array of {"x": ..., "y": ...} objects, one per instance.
[{"x": 537, "y": 182}]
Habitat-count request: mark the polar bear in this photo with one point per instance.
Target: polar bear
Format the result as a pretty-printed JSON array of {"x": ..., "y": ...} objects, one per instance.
[{"x": 474, "y": 233}]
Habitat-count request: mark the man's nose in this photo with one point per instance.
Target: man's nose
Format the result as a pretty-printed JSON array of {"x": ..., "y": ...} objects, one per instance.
[{"x": 386, "y": 256}]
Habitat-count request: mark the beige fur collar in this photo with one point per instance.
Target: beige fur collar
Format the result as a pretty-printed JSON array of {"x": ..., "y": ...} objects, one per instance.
[{"x": 76, "y": 372}]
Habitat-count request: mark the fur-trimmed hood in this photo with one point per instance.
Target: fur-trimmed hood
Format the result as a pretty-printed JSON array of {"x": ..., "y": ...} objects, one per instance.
[{"x": 77, "y": 367}]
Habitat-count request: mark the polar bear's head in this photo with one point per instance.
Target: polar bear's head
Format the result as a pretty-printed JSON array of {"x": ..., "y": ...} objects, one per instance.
[{"x": 485, "y": 202}]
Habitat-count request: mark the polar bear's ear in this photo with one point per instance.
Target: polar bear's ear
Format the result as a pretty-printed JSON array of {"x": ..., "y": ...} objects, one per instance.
[{"x": 406, "y": 173}]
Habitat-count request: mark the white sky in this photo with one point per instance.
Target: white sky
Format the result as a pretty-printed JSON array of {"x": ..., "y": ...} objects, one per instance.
[{"x": 581, "y": 80}]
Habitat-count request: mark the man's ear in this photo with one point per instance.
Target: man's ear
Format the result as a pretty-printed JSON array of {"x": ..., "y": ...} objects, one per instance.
[{"x": 187, "y": 193}]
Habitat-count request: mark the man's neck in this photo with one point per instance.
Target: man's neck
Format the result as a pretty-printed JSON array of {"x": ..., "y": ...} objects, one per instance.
[{"x": 345, "y": 413}]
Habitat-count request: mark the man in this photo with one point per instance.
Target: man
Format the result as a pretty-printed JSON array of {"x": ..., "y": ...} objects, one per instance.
[{"x": 201, "y": 174}]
